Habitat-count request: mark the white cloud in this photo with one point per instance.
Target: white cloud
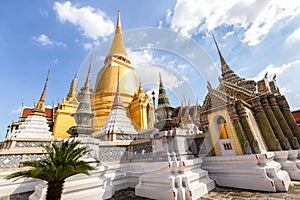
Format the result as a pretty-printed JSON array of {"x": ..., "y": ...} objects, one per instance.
[
  {"x": 18, "y": 110},
  {"x": 170, "y": 80},
  {"x": 93, "y": 23},
  {"x": 44, "y": 40},
  {"x": 87, "y": 46},
  {"x": 254, "y": 18},
  {"x": 140, "y": 57},
  {"x": 228, "y": 34},
  {"x": 294, "y": 36},
  {"x": 43, "y": 13},
  {"x": 160, "y": 24},
  {"x": 271, "y": 69},
  {"x": 148, "y": 68},
  {"x": 287, "y": 80}
]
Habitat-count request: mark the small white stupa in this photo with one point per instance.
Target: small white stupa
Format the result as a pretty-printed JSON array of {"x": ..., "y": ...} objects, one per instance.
[
  {"x": 35, "y": 125},
  {"x": 117, "y": 126}
]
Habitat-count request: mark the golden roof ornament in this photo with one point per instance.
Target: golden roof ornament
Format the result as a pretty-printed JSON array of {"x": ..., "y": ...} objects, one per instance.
[
  {"x": 117, "y": 49},
  {"x": 39, "y": 108}
]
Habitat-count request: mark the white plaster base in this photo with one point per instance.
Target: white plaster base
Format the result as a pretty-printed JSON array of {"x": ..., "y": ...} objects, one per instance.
[
  {"x": 176, "y": 180},
  {"x": 274, "y": 171},
  {"x": 288, "y": 160},
  {"x": 253, "y": 172},
  {"x": 15, "y": 186},
  {"x": 80, "y": 186}
]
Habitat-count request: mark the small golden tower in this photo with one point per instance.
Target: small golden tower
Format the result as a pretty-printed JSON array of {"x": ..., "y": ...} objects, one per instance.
[
  {"x": 141, "y": 110},
  {"x": 63, "y": 118}
]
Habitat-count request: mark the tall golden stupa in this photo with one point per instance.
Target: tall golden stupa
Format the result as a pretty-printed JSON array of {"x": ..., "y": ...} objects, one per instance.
[{"x": 138, "y": 104}]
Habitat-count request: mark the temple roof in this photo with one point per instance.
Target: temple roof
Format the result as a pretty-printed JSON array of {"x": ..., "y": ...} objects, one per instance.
[
  {"x": 117, "y": 48},
  {"x": 163, "y": 99},
  {"x": 227, "y": 73}
]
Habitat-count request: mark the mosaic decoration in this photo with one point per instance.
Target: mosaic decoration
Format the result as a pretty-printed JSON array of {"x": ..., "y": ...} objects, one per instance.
[
  {"x": 31, "y": 144},
  {"x": 30, "y": 157},
  {"x": 10, "y": 161},
  {"x": 113, "y": 153},
  {"x": 124, "y": 137},
  {"x": 142, "y": 151}
]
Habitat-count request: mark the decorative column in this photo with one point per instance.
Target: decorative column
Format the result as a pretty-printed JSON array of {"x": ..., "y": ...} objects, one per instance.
[
  {"x": 238, "y": 129},
  {"x": 264, "y": 126},
  {"x": 285, "y": 108},
  {"x": 282, "y": 122},
  {"x": 208, "y": 136},
  {"x": 284, "y": 143},
  {"x": 246, "y": 127}
]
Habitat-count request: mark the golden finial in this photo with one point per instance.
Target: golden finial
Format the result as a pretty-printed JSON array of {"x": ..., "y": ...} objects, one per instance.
[
  {"x": 119, "y": 19},
  {"x": 117, "y": 49},
  {"x": 42, "y": 99},
  {"x": 39, "y": 108}
]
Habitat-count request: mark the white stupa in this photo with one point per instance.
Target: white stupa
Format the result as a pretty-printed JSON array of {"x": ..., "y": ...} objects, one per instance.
[
  {"x": 35, "y": 125},
  {"x": 117, "y": 122}
]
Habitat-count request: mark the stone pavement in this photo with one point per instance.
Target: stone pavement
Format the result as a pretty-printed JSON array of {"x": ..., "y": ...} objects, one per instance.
[{"x": 217, "y": 194}]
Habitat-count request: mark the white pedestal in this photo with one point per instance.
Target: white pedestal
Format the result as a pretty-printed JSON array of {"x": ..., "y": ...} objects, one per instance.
[{"x": 252, "y": 172}]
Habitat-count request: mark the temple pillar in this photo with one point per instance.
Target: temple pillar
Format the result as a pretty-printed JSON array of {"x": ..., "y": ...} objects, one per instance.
[
  {"x": 246, "y": 128},
  {"x": 263, "y": 123},
  {"x": 283, "y": 123},
  {"x": 285, "y": 108},
  {"x": 210, "y": 145},
  {"x": 284, "y": 143},
  {"x": 244, "y": 143}
]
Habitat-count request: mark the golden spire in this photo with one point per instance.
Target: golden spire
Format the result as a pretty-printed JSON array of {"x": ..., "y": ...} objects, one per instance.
[
  {"x": 117, "y": 48},
  {"x": 73, "y": 88},
  {"x": 140, "y": 90},
  {"x": 39, "y": 108}
]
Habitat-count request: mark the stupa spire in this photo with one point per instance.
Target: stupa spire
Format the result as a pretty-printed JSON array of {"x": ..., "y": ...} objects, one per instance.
[
  {"x": 87, "y": 83},
  {"x": 227, "y": 73},
  {"x": 73, "y": 88},
  {"x": 117, "y": 48},
  {"x": 117, "y": 99},
  {"x": 88, "y": 77},
  {"x": 39, "y": 108},
  {"x": 163, "y": 99}
]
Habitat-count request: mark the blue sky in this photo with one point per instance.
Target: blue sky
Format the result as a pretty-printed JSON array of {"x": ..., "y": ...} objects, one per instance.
[{"x": 254, "y": 37}]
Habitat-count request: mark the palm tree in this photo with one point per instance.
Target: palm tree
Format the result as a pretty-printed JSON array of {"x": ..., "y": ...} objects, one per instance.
[{"x": 61, "y": 162}]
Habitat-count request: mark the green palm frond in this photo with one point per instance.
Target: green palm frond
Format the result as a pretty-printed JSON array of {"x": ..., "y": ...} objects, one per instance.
[{"x": 61, "y": 162}]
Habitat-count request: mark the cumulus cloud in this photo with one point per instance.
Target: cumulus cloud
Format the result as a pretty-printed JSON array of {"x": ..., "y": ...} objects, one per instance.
[
  {"x": 254, "y": 18},
  {"x": 287, "y": 80},
  {"x": 294, "y": 36},
  {"x": 44, "y": 40},
  {"x": 271, "y": 69},
  {"x": 93, "y": 23},
  {"x": 145, "y": 61}
]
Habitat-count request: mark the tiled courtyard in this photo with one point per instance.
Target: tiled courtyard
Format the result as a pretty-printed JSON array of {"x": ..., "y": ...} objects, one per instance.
[{"x": 217, "y": 194}]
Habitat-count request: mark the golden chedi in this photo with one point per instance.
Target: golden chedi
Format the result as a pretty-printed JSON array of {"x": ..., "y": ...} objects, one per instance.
[
  {"x": 63, "y": 118},
  {"x": 106, "y": 83}
]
